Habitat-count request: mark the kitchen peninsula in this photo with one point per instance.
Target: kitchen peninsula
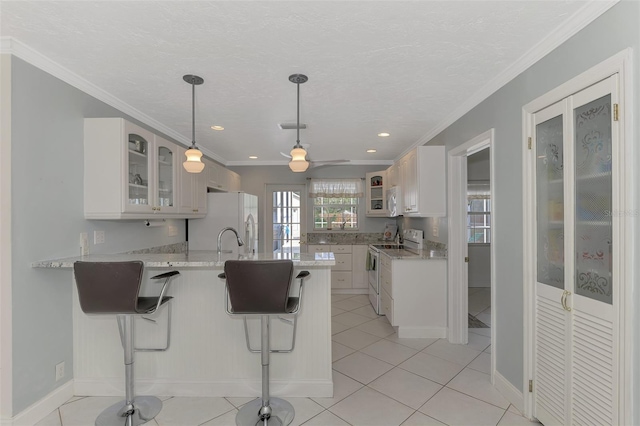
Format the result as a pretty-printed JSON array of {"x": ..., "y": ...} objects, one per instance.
[{"x": 208, "y": 354}]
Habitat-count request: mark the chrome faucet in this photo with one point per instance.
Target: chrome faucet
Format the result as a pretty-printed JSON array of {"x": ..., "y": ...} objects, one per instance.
[{"x": 228, "y": 228}]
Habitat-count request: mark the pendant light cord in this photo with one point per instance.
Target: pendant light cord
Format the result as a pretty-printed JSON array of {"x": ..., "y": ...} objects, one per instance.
[
  {"x": 193, "y": 114},
  {"x": 298, "y": 117}
]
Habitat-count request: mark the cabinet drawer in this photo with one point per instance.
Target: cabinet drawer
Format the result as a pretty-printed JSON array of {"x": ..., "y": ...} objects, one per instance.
[
  {"x": 386, "y": 280},
  {"x": 341, "y": 280},
  {"x": 385, "y": 261},
  {"x": 387, "y": 305},
  {"x": 343, "y": 262},
  {"x": 346, "y": 248},
  {"x": 318, "y": 249}
]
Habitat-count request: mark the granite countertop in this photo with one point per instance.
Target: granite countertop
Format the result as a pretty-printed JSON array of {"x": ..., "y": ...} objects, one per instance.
[
  {"x": 193, "y": 259},
  {"x": 410, "y": 254}
]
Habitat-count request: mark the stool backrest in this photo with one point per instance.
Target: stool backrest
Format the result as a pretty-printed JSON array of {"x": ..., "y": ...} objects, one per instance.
[
  {"x": 108, "y": 287},
  {"x": 258, "y": 286}
]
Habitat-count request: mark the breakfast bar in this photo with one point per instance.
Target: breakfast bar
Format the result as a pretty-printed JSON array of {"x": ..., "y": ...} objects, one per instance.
[{"x": 208, "y": 355}]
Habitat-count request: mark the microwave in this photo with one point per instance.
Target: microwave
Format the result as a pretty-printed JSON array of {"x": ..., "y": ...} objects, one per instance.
[{"x": 394, "y": 201}]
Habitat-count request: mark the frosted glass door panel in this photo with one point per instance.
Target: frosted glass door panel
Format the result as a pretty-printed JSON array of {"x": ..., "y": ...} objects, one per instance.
[
  {"x": 593, "y": 226},
  {"x": 550, "y": 202}
]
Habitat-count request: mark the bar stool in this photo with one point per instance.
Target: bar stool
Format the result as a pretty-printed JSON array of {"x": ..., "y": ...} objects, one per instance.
[
  {"x": 261, "y": 287},
  {"x": 114, "y": 288}
]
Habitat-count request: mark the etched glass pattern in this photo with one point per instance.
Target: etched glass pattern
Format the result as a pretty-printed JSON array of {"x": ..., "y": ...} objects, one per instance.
[
  {"x": 550, "y": 202},
  {"x": 593, "y": 220}
]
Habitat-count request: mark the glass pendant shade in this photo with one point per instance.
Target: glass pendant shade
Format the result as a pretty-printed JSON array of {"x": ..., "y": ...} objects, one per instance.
[
  {"x": 193, "y": 164},
  {"x": 298, "y": 163}
]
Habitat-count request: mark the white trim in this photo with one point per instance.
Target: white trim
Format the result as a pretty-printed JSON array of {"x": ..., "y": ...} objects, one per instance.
[
  {"x": 583, "y": 17},
  {"x": 508, "y": 391},
  {"x": 42, "y": 408},
  {"x": 620, "y": 64},
  {"x": 458, "y": 279},
  {"x": 286, "y": 163},
  {"x": 6, "y": 355},
  {"x": 20, "y": 50},
  {"x": 219, "y": 388},
  {"x": 422, "y": 332}
]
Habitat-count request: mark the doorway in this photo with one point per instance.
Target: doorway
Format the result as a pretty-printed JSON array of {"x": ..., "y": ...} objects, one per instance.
[
  {"x": 460, "y": 232},
  {"x": 284, "y": 219}
]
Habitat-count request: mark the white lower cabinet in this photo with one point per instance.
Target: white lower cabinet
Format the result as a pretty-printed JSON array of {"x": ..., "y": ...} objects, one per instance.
[
  {"x": 414, "y": 295},
  {"x": 349, "y": 271}
]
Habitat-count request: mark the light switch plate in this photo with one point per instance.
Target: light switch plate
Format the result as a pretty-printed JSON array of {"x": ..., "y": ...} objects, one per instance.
[
  {"x": 434, "y": 231},
  {"x": 84, "y": 244},
  {"x": 98, "y": 237},
  {"x": 173, "y": 231}
]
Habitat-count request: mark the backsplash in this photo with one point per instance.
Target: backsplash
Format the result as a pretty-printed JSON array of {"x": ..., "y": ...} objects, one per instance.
[{"x": 342, "y": 238}]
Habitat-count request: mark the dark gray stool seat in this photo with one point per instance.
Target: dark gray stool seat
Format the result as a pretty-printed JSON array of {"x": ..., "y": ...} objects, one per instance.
[
  {"x": 114, "y": 288},
  {"x": 261, "y": 287}
]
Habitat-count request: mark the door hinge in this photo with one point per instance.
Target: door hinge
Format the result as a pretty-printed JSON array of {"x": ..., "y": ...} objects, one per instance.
[
  {"x": 530, "y": 385},
  {"x": 466, "y": 259},
  {"x": 529, "y": 142},
  {"x": 615, "y": 112}
]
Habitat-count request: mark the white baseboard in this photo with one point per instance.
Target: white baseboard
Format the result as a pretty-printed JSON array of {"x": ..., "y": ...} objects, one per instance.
[
  {"x": 236, "y": 388},
  {"x": 510, "y": 392},
  {"x": 422, "y": 332},
  {"x": 41, "y": 409}
]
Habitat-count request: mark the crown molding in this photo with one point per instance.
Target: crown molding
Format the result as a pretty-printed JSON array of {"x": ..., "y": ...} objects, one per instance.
[
  {"x": 10, "y": 45},
  {"x": 286, "y": 163},
  {"x": 583, "y": 17}
]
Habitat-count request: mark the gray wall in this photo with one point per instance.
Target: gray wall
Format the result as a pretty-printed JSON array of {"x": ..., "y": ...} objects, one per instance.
[
  {"x": 47, "y": 218},
  {"x": 255, "y": 179},
  {"x": 612, "y": 32}
]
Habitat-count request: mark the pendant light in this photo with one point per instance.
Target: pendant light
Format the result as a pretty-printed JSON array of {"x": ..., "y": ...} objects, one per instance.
[
  {"x": 298, "y": 162},
  {"x": 194, "y": 162}
]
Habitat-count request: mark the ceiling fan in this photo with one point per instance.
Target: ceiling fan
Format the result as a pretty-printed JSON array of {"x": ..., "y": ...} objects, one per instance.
[
  {"x": 315, "y": 163},
  {"x": 298, "y": 153}
]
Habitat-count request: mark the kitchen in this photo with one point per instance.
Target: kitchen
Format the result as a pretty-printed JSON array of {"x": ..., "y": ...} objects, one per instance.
[{"x": 45, "y": 205}]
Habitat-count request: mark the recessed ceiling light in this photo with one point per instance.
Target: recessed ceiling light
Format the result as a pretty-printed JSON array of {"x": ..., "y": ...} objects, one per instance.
[
  {"x": 253, "y": 157},
  {"x": 217, "y": 127},
  {"x": 383, "y": 134},
  {"x": 371, "y": 150}
]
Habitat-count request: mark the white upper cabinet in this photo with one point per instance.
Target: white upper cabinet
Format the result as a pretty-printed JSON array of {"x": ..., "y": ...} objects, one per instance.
[
  {"x": 422, "y": 179},
  {"x": 375, "y": 194},
  {"x": 129, "y": 173}
]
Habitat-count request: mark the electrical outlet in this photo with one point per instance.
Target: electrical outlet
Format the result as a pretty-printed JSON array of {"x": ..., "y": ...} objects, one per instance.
[
  {"x": 173, "y": 231},
  {"x": 434, "y": 231},
  {"x": 84, "y": 244},
  {"x": 98, "y": 237},
  {"x": 59, "y": 371}
]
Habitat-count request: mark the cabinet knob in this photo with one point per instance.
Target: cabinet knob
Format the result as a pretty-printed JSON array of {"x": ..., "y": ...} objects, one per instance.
[{"x": 158, "y": 208}]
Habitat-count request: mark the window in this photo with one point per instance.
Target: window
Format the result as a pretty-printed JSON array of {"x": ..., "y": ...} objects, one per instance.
[
  {"x": 478, "y": 213},
  {"x": 335, "y": 203}
]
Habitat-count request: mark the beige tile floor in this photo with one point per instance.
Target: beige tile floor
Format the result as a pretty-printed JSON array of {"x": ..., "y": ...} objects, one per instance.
[{"x": 379, "y": 379}]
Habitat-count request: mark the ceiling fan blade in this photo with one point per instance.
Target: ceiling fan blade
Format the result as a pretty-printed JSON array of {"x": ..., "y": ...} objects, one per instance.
[
  {"x": 285, "y": 155},
  {"x": 326, "y": 163}
]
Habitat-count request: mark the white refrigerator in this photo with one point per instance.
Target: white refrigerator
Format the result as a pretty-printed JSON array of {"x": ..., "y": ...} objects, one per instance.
[{"x": 236, "y": 209}]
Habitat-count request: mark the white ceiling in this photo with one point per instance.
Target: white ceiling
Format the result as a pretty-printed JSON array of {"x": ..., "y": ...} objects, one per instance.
[{"x": 399, "y": 66}]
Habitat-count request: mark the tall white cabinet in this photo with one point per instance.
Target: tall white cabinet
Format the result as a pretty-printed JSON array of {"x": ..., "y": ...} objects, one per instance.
[{"x": 577, "y": 189}]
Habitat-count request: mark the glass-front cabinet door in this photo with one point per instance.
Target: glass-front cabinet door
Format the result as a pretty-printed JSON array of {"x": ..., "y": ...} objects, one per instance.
[
  {"x": 139, "y": 169},
  {"x": 165, "y": 177}
]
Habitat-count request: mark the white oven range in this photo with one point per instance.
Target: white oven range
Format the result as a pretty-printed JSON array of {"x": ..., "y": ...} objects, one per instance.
[{"x": 412, "y": 240}]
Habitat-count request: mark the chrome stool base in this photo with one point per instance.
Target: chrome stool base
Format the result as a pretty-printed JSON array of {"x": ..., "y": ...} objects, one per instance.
[
  {"x": 145, "y": 408},
  {"x": 282, "y": 413}
]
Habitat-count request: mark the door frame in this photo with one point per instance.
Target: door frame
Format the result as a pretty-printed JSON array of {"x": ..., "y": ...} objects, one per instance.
[
  {"x": 458, "y": 272},
  {"x": 269, "y": 188},
  {"x": 620, "y": 64}
]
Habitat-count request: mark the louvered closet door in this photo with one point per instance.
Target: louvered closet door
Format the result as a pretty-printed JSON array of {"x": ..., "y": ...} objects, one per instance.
[
  {"x": 594, "y": 325},
  {"x": 576, "y": 326},
  {"x": 552, "y": 343}
]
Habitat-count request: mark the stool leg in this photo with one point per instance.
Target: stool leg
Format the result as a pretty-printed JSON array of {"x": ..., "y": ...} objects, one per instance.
[
  {"x": 133, "y": 411},
  {"x": 267, "y": 410}
]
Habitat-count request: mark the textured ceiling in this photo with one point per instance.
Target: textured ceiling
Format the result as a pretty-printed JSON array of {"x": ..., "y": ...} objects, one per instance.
[{"x": 399, "y": 67}]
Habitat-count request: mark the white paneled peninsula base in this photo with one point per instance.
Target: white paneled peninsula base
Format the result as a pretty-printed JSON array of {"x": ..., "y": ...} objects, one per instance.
[{"x": 208, "y": 354}]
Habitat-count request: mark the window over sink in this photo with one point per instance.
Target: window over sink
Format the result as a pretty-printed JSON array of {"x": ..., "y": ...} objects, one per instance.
[{"x": 335, "y": 203}]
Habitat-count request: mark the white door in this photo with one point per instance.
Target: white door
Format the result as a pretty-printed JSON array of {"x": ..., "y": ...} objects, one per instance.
[
  {"x": 285, "y": 219},
  {"x": 576, "y": 331}
]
